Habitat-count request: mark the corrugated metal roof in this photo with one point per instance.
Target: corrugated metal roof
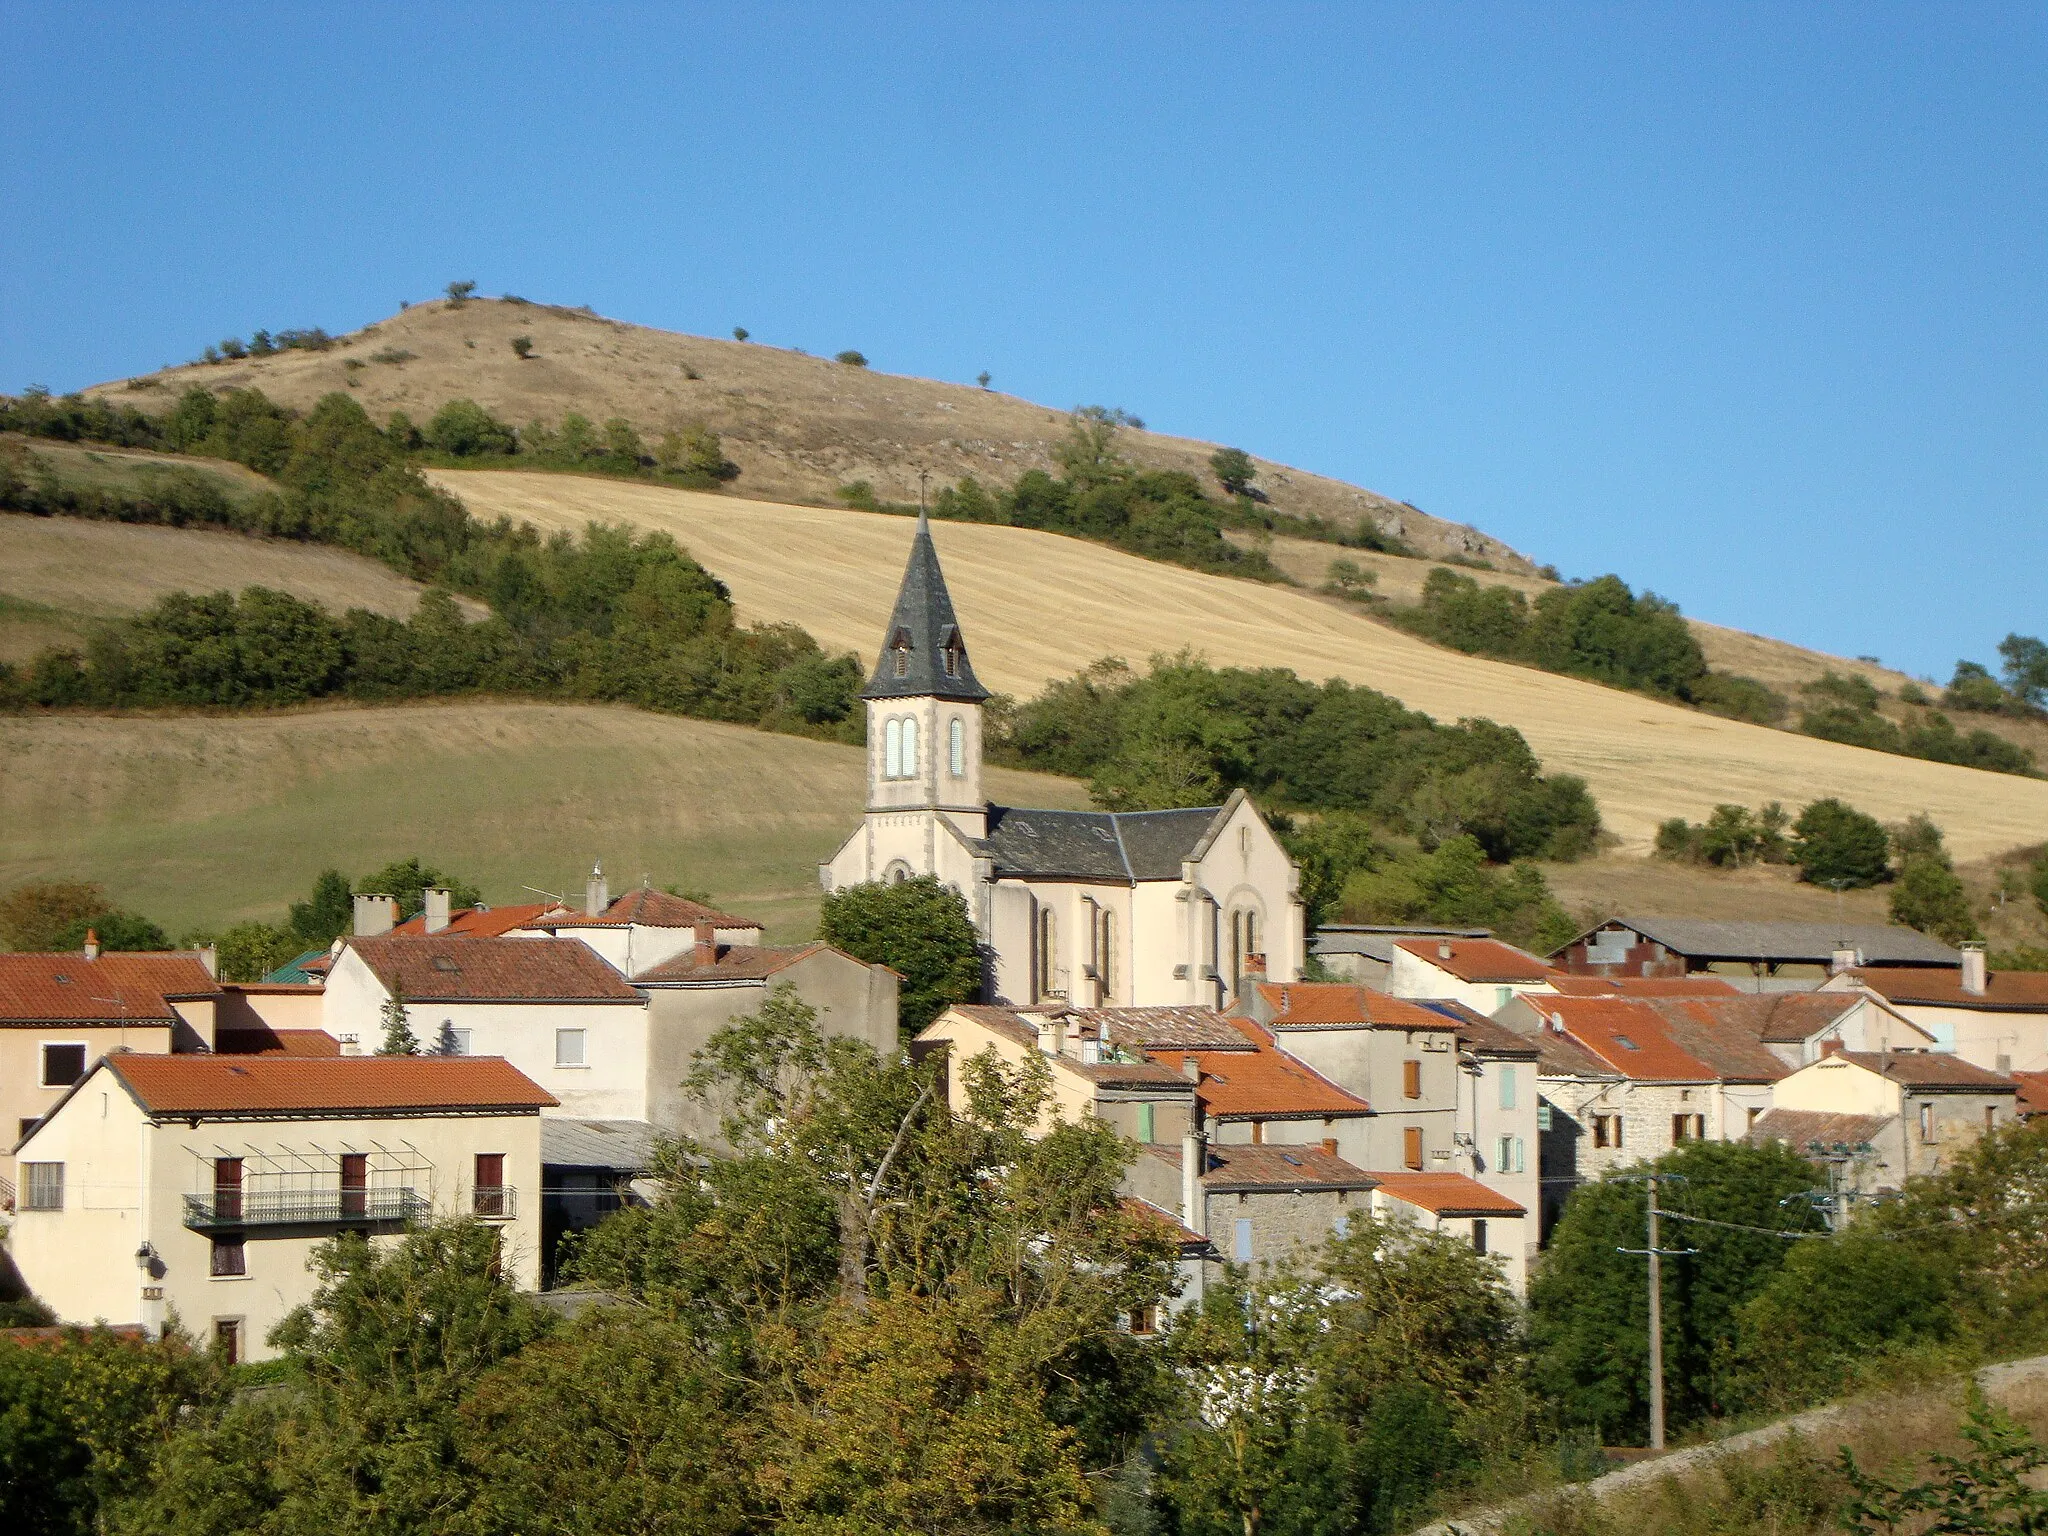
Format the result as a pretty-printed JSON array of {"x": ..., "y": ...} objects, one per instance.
[
  {"x": 1700, "y": 938},
  {"x": 625, "y": 1146}
]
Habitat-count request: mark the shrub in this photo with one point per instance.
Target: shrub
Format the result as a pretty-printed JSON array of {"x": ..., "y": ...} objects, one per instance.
[
  {"x": 1834, "y": 844},
  {"x": 982, "y": 378},
  {"x": 1731, "y": 837},
  {"x": 464, "y": 429},
  {"x": 851, "y": 358},
  {"x": 740, "y": 333},
  {"x": 1738, "y": 698},
  {"x": 1347, "y": 578},
  {"x": 459, "y": 294},
  {"x": 1974, "y": 688},
  {"x": 1929, "y": 897},
  {"x": 1233, "y": 469},
  {"x": 523, "y": 346}
]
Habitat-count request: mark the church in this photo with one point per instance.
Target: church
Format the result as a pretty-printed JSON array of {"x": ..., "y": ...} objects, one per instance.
[{"x": 1092, "y": 908}]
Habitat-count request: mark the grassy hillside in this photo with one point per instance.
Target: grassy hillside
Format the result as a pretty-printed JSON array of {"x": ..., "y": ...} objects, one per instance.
[
  {"x": 206, "y": 821},
  {"x": 799, "y": 427},
  {"x": 1037, "y": 606}
]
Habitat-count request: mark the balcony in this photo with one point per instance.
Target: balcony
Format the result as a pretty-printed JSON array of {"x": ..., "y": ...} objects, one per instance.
[
  {"x": 494, "y": 1202},
  {"x": 306, "y": 1208}
]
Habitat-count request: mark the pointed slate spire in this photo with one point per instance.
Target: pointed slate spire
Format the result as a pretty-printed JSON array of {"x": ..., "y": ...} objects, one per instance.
[{"x": 924, "y": 655}]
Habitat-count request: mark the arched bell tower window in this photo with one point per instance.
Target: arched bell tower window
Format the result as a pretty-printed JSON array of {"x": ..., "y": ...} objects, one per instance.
[
  {"x": 899, "y": 647},
  {"x": 951, "y": 650},
  {"x": 956, "y": 747},
  {"x": 899, "y": 747}
]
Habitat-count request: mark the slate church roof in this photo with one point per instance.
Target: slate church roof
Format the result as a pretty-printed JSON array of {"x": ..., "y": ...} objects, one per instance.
[
  {"x": 923, "y": 654},
  {"x": 1124, "y": 846}
]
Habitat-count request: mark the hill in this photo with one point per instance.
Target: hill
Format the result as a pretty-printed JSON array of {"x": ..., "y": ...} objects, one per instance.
[
  {"x": 1039, "y": 606},
  {"x": 205, "y": 821},
  {"x": 798, "y": 426}
]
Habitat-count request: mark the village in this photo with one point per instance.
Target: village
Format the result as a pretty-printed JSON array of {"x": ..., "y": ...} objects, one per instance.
[{"x": 184, "y": 1144}]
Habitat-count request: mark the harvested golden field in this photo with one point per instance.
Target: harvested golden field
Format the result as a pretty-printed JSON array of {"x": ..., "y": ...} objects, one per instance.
[
  {"x": 1038, "y": 606},
  {"x": 204, "y": 821},
  {"x": 798, "y": 426}
]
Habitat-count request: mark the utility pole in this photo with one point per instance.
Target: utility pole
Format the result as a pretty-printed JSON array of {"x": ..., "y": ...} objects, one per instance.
[{"x": 1656, "y": 1256}]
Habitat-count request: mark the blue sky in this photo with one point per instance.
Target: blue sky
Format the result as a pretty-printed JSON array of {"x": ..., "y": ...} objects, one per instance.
[{"x": 1744, "y": 303}]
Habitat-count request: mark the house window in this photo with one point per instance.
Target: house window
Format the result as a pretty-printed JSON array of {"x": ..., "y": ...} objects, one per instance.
[
  {"x": 42, "y": 1186},
  {"x": 230, "y": 1260},
  {"x": 1927, "y": 1122},
  {"x": 1990, "y": 1117},
  {"x": 1688, "y": 1127},
  {"x": 1145, "y": 1320},
  {"x": 1507, "y": 1087},
  {"x": 1509, "y": 1155},
  {"x": 355, "y": 1184},
  {"x": 1542, "y": 1116},
  {"x": 63, "y": 1065},
  {"x": 227, "y": 1340},
  {"x": 27, "y": 1124},
  {"x": 490, "y": 1185},
  {"x": 1241, "y": 1240},
  {"x": 1411, "y": 1079},
  {"x": 1411, "y": 1147},
  {"x": 1478, "y": 1234},
  {"x": 227, "y": 1189},
  {"x": 956, "y": 746},
  {"x": 569, "y": 1048},
  {"x": 452, "y": 1041},
  {"x": 1607, "y": 1130},
  {"x": 1146, "y": 1124}
]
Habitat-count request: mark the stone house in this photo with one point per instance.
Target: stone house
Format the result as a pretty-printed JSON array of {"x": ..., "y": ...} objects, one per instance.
[
  {"x": 1500, "y": 1110},
  {"x": 1452, "y": 1203},
  {"x": 1258, "y": 1206},
  {"x": 1932, "y": 1104},
  {"x": 1485, "y": 975},
  {"x": 1997, "y": 1019},
  {"x": 198, "y": 1186},
  {"x": 1089, "y": 908}
]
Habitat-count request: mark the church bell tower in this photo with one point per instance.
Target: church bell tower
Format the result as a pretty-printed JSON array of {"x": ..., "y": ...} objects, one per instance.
[{"x": 924, "y": 704}]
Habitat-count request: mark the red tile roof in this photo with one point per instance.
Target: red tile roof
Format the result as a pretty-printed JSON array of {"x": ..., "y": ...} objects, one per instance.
[
  {"x": 2033, "y": 1093},
  {"x": 1448, "y": 1194},
  {"x": 1645, "y": 986},
  {"x": 1273, "y": 1167},
  {"x": 478, "y": 922},
  {"x": 649, "y": 909},
  {"x": 1782, "y": 1018},
  {"x": 1931, "y": 1070},
  {"x": 733, "y": 962},
  {"x": 1627, "y": 1035},
  {"x": 2004, "y": 991},
  {"x": 1799, "y": 1128},
  {"x": 1163, "y": 1027},
  {"x": 1022, "y": 1029},
  {"x": 444, "y": 970},
  {"x": 137, "y": 988},
  {"x": 204, "y": 1085},
  {"x": 264, "y": 1041},
  {"x": 1263, "y": 1083},
  {"x": 1323, "y": 1004},
  {"x": 1478, "y": 959},
  {"x": 1731, "y": 1047},
  {"x": 1479, "y": 1034}
]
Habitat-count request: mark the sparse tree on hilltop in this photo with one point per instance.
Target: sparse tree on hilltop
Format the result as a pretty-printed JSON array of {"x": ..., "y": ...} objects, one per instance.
[
  {"x": 740, "y": 333},
  {"x": 458, "y": 294},
  {"x": 983, "y": 377},
  {"x": 1234, "y": 470},
  {"x": 851, "y": 358}
]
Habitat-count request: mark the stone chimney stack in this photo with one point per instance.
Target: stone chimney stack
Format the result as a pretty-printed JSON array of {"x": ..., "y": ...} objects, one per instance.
[
  {"x": 1194, "y": 1162},
  {"x": 705, "y": 950},
  {"x": 375, "y": 915},
  {"x": 209, "y": 956},
  {"x": 92, "y": 944},
  {"x": 1443, "y": 949},
  {"x": 1052, "y": 1033},
  {"x": 437, "y": 910},
  {"x": 1847, "y": 957},
  {"x": 597, "y": 894},
  {"x": 1975, "y": 978}
]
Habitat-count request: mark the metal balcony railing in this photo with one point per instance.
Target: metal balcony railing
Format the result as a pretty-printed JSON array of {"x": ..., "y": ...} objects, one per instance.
[
  {"x": 495, "y": 1202},
  {"x": 304, "y": 1208}
]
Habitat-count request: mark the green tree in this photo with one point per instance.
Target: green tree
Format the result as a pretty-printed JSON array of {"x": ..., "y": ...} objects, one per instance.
[
  {"x": 250, "y": 951},
  {"x": 459, "y": 294},
  {"x": 116, "y": 930},
  {"x": 1930, "y": 897},
  {"x": 2025, "y": 659},
  {"x": 740, "y": 333},
  {"x": 1088, "y": 452},
  {"x": 1233, "y": 469},
  {"x": 920, "y": 929},
  {"x": 1973, "y": 687},
  {"x": 325, "y": 915},
  {"x": 37, "y": 915},
  {"x": 851, "y": 359},
  {"x": 1588, "y": 1304},
  {"x": 1347, "y": 578},
  {"x": 466, "y": 430},
  {"x": 522, "y": 347},
  {"x": 982, "y": 378},
  {"x": 399, "y": 1040},
  {"x": 409, "y": 881},
  {"x": 1833, "y": 842}
]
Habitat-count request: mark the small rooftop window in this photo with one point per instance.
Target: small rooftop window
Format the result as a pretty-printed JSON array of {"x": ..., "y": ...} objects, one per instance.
[
  {"x": 1626, "y": 1044},
  {"x": 443, "y": 963},
  {"x": 1290, "y": 1159}
]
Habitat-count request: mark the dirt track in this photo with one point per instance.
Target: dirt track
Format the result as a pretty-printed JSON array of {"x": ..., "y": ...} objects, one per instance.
[{"x": 1036, "y": 606}]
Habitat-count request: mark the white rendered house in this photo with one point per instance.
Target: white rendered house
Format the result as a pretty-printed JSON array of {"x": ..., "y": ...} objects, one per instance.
[{"x": 1093, "y": 908}]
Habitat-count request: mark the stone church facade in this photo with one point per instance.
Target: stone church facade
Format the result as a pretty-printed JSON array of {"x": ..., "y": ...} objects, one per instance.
[{"x": 1091, "y": 908}]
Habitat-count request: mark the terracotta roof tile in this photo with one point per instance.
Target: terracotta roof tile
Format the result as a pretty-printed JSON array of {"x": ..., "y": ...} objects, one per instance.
[
  {"x": 1799, "y": 1127},
  {"x": 2033, "y": 1092},
  {"x": 1021, "y": 1028},
  {"x": 734, "y": 962},
  {"x": 203, "y": 1085},
  {"x": 1327, "y": 1004},
  {"x": 1479, "y": 1034},
  {"x": 1262, "y": 1083},
  {"x": 1163, "y": 1027},
  {"x": 1645, "y": 986},
  {"x": 1273, "y": 1168},
  {"x": 1730, "y": 1046},
  {"x": 1448, "y": 1194},
  {"x": 1781, "y": 1018},
  {"x": 265, "y": 1041},
  {"x": 1628, "y": 1036},
  {"x": 1478, "y": 959},
  {"x": 68, "y": 988},
  {"x": 444, "y": 970},
  {"x": 478, "y": 922},
  {"x": 1930, "y": 1070},
  {"x": 649, "y": 909},
  {"x": 2004, "y": 991}
]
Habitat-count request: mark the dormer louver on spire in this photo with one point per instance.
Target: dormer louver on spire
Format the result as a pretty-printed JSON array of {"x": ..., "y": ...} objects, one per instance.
[{"x": 923, "y": 652}]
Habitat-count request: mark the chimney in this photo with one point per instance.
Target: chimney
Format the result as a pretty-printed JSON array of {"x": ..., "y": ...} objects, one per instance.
[
  {"x": 375, "y": 915},
  {"x": 705, "y": 951},
  {"x": 92, "y": 944},
  {"x": 351, "y": 1046},
  {"x": 1255, "y": 967},
  {"x": 1831, "y": 1047},
  {"x": 1330, "y": 1145},
  {"x": 1847, "y": 957},
  {"x": 1974, "y": 977},
  {"x": 1191, "y": 1069},
  {"x": 1051, "y": 1033},
  {"x": 1194, "y": 1162},
  {"x": 209, "y": 956},
  {"x": 597, "y": 895},
  {"x": 1443, "y": 949},
  {"x": 437, "y": 910}
]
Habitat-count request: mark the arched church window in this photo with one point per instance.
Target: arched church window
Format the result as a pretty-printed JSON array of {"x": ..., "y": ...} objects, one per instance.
[
  {"x": 909, "y": 747},
  {"x": 1048, "y": 951},
  {"x": 892, "y": 749},
  {"x": 956, "y": 747},
  {"x": 1108, "y": 955},
  {"x": 896, "y": 873}
]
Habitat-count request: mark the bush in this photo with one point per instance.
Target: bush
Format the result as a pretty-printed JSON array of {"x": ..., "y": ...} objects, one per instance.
[
  {"x": 1929, "y": 897},
  {"x": 464, "y": 430},
  {"x": 522, "y": 346},
  {"x": 851, "y": 358},
  {"x": 1234, "y": 470},
  {"x": 1738, "y": 698},
  {"x": 1730, "y": 838},
  {"x": 1834, "y": 844},
  {"x": 1347, "y": 578},
  {"x": 1974, "y": 688},
  {"x": 459, "y": 294}
]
